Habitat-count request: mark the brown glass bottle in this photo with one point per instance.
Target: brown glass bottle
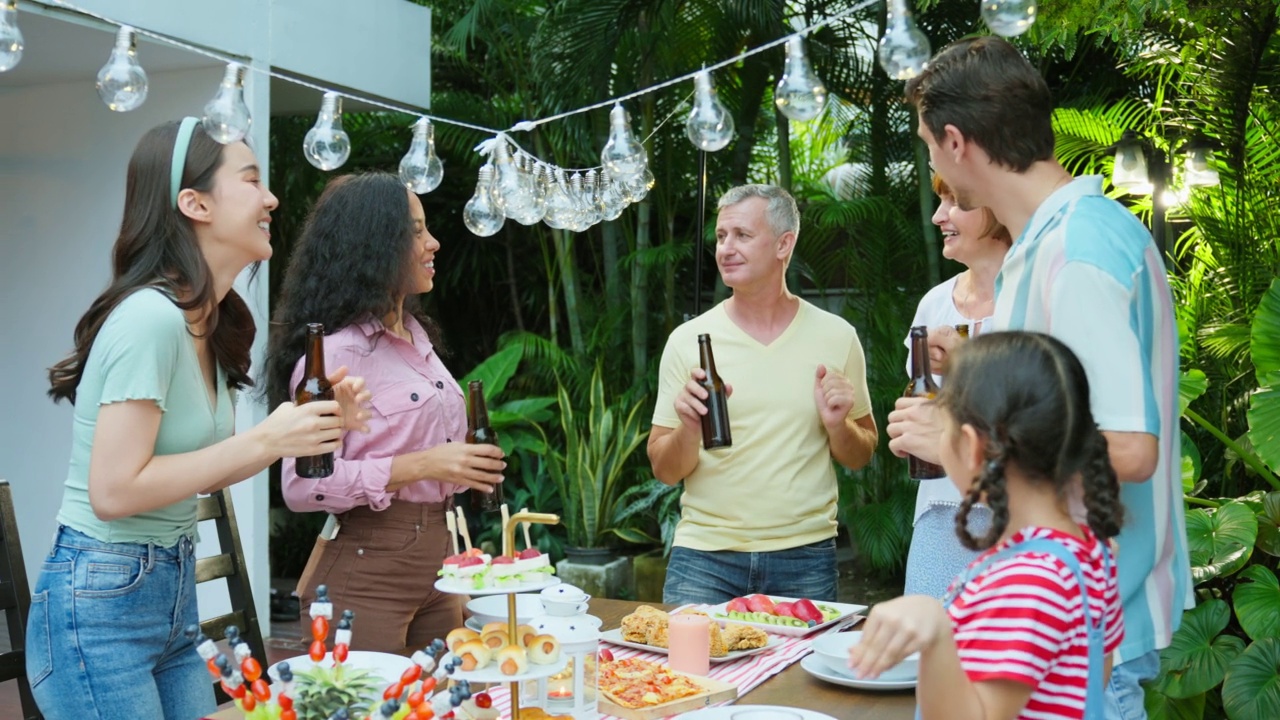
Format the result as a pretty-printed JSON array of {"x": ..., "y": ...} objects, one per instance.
[
  {"x": 921, "y": 385},
  {"x": 479, "y": 433},
  {"x": 715, "y": 424},
  {"x": 314, "y": 386},
  {"x": 963, "y": 330}
]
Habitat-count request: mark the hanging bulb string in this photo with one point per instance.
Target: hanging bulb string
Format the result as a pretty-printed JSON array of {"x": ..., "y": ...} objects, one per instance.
[
  {"x": 522, "y": 126},
  {"x": 528, "y": 125}
]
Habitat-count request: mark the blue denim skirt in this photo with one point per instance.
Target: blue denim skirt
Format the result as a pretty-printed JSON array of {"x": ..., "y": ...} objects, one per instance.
[{"x": 104, "y": 635}]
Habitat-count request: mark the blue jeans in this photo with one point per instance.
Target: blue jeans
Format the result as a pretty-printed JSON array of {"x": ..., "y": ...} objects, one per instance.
[
  {"x": 1124, "y": 690},
  {"x": 699, "y": 576},
  {"x": 104, "y": 636}
]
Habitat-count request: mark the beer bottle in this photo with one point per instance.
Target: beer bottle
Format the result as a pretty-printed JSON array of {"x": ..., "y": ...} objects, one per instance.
[
  {"x": 314, "y": 386},
  {"x": 479, "y": 433},
  {"x": 715, "y": 424},
  {"x": 963, "y": 330},
  {"x": 921, "y": 385}
]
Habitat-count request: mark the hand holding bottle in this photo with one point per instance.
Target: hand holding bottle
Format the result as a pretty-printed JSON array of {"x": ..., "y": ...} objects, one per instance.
[
  {"x": 471, "y": 465},
  {"x": 353, "y": 398},
  {"x": 690, "y": 402},
  {"x": 943, "y": 341},
  {"x": 291, "y": 430}
]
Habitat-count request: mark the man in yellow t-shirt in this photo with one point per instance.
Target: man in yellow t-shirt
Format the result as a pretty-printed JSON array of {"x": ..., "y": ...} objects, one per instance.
[{"x": 760, "y": 516}]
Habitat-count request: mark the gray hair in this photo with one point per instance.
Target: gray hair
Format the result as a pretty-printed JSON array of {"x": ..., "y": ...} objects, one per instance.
[{"x": 782, "y": 213}]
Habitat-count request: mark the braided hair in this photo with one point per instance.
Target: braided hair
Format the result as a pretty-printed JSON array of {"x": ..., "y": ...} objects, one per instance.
[{"x": 1027, "y": 396}]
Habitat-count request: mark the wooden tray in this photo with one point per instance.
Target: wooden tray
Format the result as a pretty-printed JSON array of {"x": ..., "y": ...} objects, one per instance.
[{"x": 715, "y": 691}]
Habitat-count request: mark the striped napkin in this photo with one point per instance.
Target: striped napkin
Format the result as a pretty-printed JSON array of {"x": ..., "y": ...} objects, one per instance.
[{"x": 747, "y": 673}]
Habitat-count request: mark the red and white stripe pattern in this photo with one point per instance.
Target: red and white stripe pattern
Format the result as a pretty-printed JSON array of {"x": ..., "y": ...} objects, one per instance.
[
  {"x": 746, "y": 673},
  {"x": 1022, "y": 619}
]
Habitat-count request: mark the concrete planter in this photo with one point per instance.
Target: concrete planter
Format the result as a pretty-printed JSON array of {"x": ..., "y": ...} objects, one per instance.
[{"x": 600, "y": 574}]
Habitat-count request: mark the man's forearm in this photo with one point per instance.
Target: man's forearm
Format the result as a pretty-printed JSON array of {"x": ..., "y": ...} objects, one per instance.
[
  {"x": 673, "y": 453},
  {"x": 853, "y": 442}
]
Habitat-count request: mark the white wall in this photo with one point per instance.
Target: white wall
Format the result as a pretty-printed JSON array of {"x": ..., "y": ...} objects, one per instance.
[{"x": 62, "y": 168}]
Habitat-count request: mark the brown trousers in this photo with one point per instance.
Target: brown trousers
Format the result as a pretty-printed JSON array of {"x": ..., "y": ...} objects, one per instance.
[{"x": 383, "y": 566}]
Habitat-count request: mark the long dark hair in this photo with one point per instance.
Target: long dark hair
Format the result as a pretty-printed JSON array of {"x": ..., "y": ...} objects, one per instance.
[
  {"x": 1027, "y": 396},
  {"x": 350, "y": 265},
  {"x": 157, "y": 248}
]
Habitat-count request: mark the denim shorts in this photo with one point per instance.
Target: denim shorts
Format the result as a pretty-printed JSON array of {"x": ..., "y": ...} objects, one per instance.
[
  {"x": 712, "y": 577},
  {"x": 104, "y": 635}
]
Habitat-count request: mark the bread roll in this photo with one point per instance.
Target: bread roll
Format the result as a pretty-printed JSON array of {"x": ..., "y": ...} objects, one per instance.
[
  {"x": 475, "y": 655},
  {"x": 512, "y": 660},
  {"x": 544, "y": 649},
  {"x": 493, "y": 626},
  {"x": 524, "y": 633},
  {"x": 457, "y": 636},
  {"x": 495, "y": 639}
]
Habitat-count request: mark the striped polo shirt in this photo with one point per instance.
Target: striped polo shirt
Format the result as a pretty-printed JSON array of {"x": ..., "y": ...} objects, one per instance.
[{"x": 1086, "y": 271}]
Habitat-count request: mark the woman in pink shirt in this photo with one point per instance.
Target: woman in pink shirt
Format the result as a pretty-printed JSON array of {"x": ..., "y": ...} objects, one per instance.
[{"x": 363, "y": 257}]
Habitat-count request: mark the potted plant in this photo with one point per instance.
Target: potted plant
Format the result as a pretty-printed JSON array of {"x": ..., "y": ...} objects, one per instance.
[{"x": 592, "y": 469}]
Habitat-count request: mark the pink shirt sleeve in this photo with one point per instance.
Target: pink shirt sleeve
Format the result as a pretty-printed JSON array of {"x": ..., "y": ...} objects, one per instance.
[{"x": 416, "y": 405}]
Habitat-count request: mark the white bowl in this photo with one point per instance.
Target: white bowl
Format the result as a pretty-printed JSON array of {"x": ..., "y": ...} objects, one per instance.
[
  {"x": 493, "y": 608},
  {"x": 833, "y": 650}
]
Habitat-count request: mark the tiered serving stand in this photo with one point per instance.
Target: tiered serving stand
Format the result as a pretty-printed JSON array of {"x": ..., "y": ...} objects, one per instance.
[{"x": 492, "y": 674}]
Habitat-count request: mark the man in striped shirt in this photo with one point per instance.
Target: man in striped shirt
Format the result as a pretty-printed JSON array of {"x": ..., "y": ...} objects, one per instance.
[{"x": 1084, "y": 270}]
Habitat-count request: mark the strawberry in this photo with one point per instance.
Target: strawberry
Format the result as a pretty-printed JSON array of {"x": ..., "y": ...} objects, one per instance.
[
  {"x": 474, "y": 552},
  {"x": 807, "y": 611},
  {"x": 454, "y": 559},
  {"x": 606, "y": 655},
  {"x": 737, "y": 605},
  {"x": 785, "y": 609},
  {"x": 528, "y": 553},
  {"x": 469, "y": 561},
  {"x": 760, "y": 603},
  {"x": 504, "y": 560}
]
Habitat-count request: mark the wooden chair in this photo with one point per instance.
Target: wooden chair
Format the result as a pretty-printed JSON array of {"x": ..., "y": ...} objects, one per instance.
[
  {"x": 15, "y": 600},
  {"x": 229, "y": 564}
]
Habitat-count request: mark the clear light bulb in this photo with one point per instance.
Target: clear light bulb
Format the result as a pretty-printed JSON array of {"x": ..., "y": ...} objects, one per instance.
[
  {"x": 613, "y": 199},
  {"x": 327, "y": 145},
  {"x": 122, "y": 83},
  {"x": 420, "y": 169},
  {"x": 516, "y": 187},
  {"x": 904, "y": 50},
  {"x": 623, "y": 154},
  {"x": 637, "y": 188},
  {"x": 226, "y": 116},
  {"x": 710, "y": 126},
  {"x": 585, "y": 215},
  {"x": 484, "y": 213},
  {"x": 1008, "y": 18},
  {"x": 800, "y": 94},
  {"x": 11, "y": 43},
  {"x": 561, "y": 209},
  {"x": 592, "y": 196}
]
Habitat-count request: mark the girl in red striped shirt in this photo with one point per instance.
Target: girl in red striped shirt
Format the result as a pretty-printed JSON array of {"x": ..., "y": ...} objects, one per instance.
[{"x": 1015, "y": 638}]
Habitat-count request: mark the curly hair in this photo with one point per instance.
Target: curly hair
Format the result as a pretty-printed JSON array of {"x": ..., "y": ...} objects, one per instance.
[
  {"x": 350, "y": 265},
  {"x": 1027, "y": 396},
  {"x": 157, "y": 247}
]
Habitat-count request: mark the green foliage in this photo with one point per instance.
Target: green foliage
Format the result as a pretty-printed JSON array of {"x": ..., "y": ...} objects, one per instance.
[
  {"x": 649, "y": 513},
  {"x": 595, "y": 467}
]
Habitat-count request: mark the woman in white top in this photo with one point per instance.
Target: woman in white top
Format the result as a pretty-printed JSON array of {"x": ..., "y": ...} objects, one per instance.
[{"x": 978, "y": 241}]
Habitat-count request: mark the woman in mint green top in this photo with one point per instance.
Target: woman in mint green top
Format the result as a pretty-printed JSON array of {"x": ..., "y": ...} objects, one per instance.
[{"x": 158, "y": 359}]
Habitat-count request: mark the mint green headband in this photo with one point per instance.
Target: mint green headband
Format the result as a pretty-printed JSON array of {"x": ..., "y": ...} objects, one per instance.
[{"x": 179, "y": 161}]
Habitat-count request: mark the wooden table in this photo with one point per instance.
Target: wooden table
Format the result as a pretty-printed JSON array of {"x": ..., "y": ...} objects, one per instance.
[{"x": 792, "y": 687}]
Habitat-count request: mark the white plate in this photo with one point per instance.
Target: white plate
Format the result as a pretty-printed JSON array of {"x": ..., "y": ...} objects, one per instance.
[
  {"x": 615, "y": 637},
  {"x": 384, "y": 665},
  {"x": 814, "y": 665},
  {"x": 448, "y": 585},
  {"x": 846, "y": 611},
  {"x": 726, "y": 712},
  {"x": 492, "y": 674}
]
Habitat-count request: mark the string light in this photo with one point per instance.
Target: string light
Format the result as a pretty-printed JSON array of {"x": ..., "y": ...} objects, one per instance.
[
  {"x": 122, "y": 83},
  {"x": 420, "y": 169},
  {"x": 226, "y": 116},
  {"x": 327, "y": 146},
  {"x": 10, "y": 36}
]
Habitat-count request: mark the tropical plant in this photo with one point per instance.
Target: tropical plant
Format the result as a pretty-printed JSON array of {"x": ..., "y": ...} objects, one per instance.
[
  {"x": 595, "y": 466},
  {"x": 648, "y": 514}
]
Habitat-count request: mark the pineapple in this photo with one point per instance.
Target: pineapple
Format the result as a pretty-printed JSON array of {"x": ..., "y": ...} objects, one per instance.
[{"x": 320, "y": 691}]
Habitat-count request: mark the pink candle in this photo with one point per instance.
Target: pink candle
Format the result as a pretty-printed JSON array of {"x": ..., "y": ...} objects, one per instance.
[{"x": 690, "y": 640}]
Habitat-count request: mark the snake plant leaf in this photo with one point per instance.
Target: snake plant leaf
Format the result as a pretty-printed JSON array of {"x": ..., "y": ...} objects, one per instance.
[
  {"x": 1257, "y": 602},
  {"x": 1252, "y": 687},
  {"x": 1220, "y": 540},
  {"x": 1197, "y": 659},
  {"x": 1162, "y": 707}
]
